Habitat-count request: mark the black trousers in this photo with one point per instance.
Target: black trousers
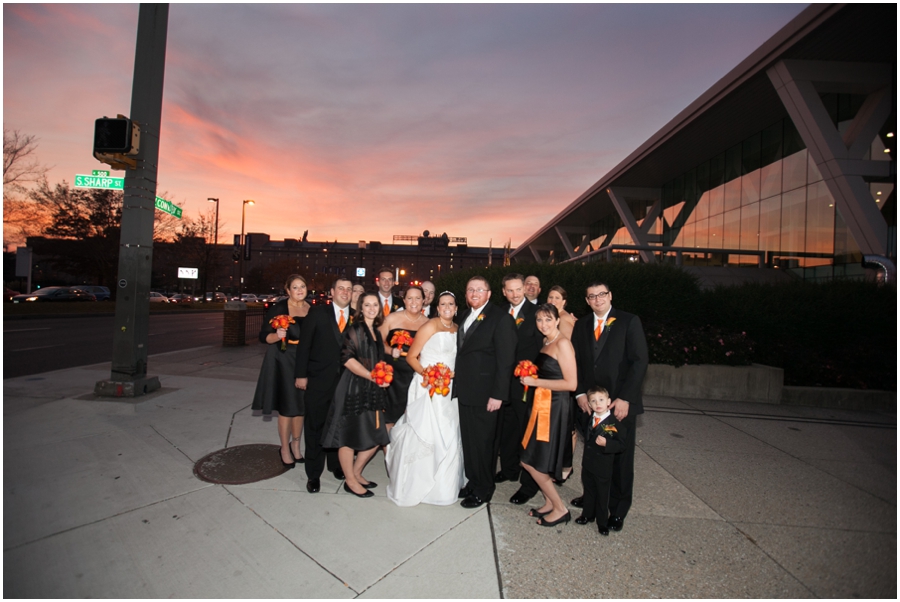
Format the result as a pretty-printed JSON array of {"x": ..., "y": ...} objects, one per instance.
[
  {"x": 596, "y": 478},
  {"x": 317, "y": 404},
  {"x": 478, "y": 429},
  {"x": 512, "y": 422},
  {"x": 621, "y": 489}
]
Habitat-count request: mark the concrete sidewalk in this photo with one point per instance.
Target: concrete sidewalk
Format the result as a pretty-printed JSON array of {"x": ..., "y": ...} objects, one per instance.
[{"x": 732, "y": 500}]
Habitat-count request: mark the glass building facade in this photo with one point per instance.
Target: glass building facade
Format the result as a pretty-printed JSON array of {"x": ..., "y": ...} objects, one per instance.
[{"x": 762, "y": 200}]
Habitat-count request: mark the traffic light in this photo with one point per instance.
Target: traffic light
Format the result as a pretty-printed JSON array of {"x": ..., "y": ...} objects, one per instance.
[{"x": 116, "y": 141}]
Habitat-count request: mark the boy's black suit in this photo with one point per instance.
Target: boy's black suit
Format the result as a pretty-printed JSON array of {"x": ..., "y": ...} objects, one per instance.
[{"x": 597, "y": 465}]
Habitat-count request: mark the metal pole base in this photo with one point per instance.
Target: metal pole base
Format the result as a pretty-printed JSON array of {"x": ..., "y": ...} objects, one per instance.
[{"x": 128, "y": 388}]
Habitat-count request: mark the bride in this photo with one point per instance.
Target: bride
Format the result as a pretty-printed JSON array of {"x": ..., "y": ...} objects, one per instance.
[{"x": 424, "y": 460}]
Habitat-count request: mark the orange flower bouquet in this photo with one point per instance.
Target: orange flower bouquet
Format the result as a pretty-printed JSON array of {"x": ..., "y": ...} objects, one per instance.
[
  {"x": 401, "y": 338},
  {"x": 437, "y": 379},
  {"x": 525, "y": 368},
  {"x": 383, "y": 373},
  {"x": 282, "y": 321}
]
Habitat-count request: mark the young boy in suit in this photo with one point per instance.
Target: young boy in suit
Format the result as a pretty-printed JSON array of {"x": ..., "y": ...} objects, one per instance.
[{"x": 604, "y": 437}]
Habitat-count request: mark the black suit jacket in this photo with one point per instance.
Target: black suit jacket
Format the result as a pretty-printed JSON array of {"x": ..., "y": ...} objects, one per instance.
[
  {"x": 485, "y": 357},
  {"x": 617, "y": 362},
  {"x": 319, "y": 349},
  {"x": 396, "y": 303},
  {"x": 597, "y": 458},
  {"x": 529, "y": 342}
]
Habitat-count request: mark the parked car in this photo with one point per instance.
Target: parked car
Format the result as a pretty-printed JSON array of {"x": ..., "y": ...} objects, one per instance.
[
  {"x": 8, "y": 294},
  {"x": 216, "y": 297},
  {"x": 179, "y": 298},
  {"x": 158, "y": 298},
  {"x": 273, "y": 300},
  {"x": 319, "y": 299},
  {"x": 101, "y": 292},
  {"x": 249, "y": 298},
  {"x": 55, "y": 293}
]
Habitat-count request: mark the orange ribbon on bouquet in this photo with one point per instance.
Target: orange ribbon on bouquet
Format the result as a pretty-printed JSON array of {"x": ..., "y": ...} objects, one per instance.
[{"x": 540, "y": 415}]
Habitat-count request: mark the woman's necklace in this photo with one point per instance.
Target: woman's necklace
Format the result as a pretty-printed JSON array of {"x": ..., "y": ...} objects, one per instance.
[
  {"x": 447, "y": 326},
  {"x": 297, "y": 305},
  {"x": 416, "y": 319},
  {"x": 550, "y": 342}
]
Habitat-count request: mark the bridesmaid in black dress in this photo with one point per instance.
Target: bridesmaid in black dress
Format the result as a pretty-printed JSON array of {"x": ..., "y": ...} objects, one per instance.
[
  {"x": 548, "y": 427},
  {"x": 409, "y": 319},
  {"x": 275, "y": 388},
  {"x": 355, "y": 421}
]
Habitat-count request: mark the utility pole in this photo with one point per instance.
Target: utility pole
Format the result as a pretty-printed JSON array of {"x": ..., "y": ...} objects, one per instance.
[{"x": 130, "y": 335}]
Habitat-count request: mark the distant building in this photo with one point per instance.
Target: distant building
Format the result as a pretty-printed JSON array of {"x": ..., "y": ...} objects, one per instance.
[{"x": 789, "y": 161}]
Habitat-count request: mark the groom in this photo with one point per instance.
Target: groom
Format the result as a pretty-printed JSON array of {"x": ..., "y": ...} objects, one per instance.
[{"x": 485, "y": 359}]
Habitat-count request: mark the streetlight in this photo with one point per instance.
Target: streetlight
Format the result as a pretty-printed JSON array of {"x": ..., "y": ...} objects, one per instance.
[
  {"x": 243, "y": 246},
  {"x": 216, "y": 201}
]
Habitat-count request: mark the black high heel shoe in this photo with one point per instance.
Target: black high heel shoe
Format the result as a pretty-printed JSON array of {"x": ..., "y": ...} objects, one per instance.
[
  {"x": 536, "y": 513},
  {"x": 299, "y": 460},
  {"x": 348, "y": 490},
  {"x": 370, "y": 485},
  {"x": 288, "y": 465},
  {"x": 564, "y": 479},
  {"x": 565, "y": 518}
]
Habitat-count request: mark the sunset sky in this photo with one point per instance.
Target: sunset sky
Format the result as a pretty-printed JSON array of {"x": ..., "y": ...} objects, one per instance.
[{"x": 359, "y": 122}]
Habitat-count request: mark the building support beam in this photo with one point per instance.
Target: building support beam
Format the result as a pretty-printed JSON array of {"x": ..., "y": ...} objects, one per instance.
[
  {"x": 840, "y": 158},
  {"x": 563, "y": 233},
  {"x": 640, "y": 238}
]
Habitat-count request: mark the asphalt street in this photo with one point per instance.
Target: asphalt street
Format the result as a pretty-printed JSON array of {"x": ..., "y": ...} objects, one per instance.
[{"x": 39, "y": 345}]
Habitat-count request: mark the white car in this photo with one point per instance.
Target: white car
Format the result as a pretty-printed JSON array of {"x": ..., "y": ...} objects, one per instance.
[
  {"x": 158, "y": 298},
  {"x": 249, "y": 298}
]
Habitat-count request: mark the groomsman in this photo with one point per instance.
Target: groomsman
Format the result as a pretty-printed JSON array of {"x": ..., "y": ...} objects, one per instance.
[
  {"x": 389, "y": 303},
  {"x": 317, "y": 371},
  {"x": 429, "y": 307},
  {"x": 485, "y": 359},
  {"x": 532, "y": 289},
  {"x": 611, "y": 352},
  {"x": 515, "y": 412}
]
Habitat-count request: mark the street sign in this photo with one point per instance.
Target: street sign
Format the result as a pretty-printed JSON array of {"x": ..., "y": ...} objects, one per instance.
[
  {"x": 360, "y": 272},
  {"x": 100, "y": 179},
  {"x": 192, "y": 273},
  {"x": 168, "y": 207},
  {"x": 104, "y": 182}
]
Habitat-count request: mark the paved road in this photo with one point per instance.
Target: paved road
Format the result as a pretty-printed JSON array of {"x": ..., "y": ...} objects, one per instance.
[{"x": 40, "y": 345}]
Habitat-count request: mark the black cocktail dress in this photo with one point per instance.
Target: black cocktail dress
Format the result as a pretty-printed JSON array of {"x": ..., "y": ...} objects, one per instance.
[
  {"x": 275, "y": 390},
  {"x": 547, "y": 456}
]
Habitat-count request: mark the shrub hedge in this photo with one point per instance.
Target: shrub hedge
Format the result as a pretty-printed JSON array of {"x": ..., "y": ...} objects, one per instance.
[{"x": 835, "y": 334}]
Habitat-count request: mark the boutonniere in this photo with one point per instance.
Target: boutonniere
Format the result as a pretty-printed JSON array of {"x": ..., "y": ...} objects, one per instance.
[
  {"x": 350, "y": 321},
  {"x": 480, "y": 318},
  {"x": 609, "y": 428},
  {"x": 519, "y": 321},
  {"x": 396, "y": 307},
  {"x": 608, "y": 322}
]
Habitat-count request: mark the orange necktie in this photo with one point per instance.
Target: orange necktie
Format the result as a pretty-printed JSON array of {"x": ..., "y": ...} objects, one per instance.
[
  {"x": 387, "y": 308},
  {"x": 596, "y": 422},
  {"x": 512, "y": 312},
  {"x": 342, "y": 322},
  {"x": 598, "y": 330}
]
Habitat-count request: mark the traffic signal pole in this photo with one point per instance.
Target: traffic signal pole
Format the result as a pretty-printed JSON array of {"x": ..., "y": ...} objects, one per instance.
[{"x": 130, "y": 335}]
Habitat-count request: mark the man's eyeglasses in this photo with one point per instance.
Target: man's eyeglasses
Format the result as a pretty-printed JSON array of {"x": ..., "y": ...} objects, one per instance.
[
  {"x": 600, "y": 295},
  {"x": 476, "y": 290}
]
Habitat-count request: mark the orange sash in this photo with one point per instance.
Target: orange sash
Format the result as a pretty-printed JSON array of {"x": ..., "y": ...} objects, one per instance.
[{"x": 540, "y": 414}]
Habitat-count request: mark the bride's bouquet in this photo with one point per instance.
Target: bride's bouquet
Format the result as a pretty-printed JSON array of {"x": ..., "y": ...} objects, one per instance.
[
  {"x": 437, "y": 379},
  {"x": 526, "y": 368}
]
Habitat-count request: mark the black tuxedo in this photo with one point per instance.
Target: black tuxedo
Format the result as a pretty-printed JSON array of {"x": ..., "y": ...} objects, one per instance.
[
  {"x": 617, "y": 362},
  {"x": 319, "y": 360},
  {"x": 433, "y": 310},
  {"x": 597, "y": 465},
  {"x": 485, "y": 359},
  {"x": 515, "y": 413}
]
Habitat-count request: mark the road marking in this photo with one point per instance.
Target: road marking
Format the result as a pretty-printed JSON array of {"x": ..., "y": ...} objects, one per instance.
[
  {"x": 33, "y": 348},
  {"x": 25, "y": 330}
]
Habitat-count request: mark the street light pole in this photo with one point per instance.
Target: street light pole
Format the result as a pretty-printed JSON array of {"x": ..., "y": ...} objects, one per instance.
[
  {"x": 216, "y": 201},
  {"x": 243, "y": 246}
]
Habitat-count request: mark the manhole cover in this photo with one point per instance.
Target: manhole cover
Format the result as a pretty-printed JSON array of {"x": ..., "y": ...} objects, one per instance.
[{"x": 240, "y": 464}]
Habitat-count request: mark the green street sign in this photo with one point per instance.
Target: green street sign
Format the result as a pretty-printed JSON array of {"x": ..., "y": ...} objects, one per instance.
[
  {"x": 100, "y": 181},
  {"x": 104, "y": 182},
  {"x": 170, "y": 208},
  {"x": 100, "y": 172}
]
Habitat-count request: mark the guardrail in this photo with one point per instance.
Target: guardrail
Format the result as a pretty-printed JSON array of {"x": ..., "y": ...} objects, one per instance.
[{"x": 763, "y": 258}]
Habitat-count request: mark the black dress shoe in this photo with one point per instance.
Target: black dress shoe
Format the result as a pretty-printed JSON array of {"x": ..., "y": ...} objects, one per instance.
[
  {"x": 519, "y": 498},
  {"x": 578, "y": 502},
  {"x": 472, "y": 501},
  {"x": 603, "y": 530},
  {"x": 615, "y": 523},
  {"x": 464, "y": 493},
  {"x": 562, "y": 519},
  {"x": 370, "y": 485},
  {"x": 583, "y": 520},
  {"x": 501, "y": 478},
  {"x": 312, "y": 485},
  {"x": 338, "y": 474},
  {"x": 348, "y": 490}
]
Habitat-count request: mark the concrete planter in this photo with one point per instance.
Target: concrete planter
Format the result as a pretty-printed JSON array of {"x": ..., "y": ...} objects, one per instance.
[{"x": 756, "y": 383}]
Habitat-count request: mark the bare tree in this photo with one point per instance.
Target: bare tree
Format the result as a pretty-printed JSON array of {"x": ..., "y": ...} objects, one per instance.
[{"x": 23, "y": 216}]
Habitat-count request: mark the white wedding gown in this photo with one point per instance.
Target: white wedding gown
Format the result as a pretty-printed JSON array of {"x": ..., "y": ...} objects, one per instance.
[{"x": 424, "y": 459}]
